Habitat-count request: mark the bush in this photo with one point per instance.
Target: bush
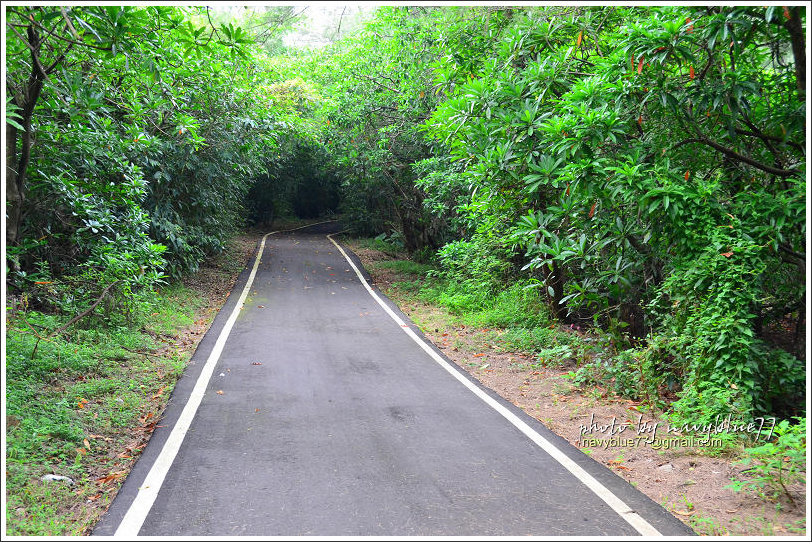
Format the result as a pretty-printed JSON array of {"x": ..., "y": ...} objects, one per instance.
[
  {"x": 778, "y": 463},
  {"x": 475, "y": 267}
]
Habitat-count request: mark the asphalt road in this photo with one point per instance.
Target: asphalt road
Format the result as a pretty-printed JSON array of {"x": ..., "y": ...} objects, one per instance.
[{"x": 323, "y": 417}]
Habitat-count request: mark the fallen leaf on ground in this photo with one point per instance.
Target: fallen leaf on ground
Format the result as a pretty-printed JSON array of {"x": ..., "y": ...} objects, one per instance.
[
  {"x": 149, "y": 428},
  {"x": 110, "y": 477},
  {"x": 143, "y": 419}
]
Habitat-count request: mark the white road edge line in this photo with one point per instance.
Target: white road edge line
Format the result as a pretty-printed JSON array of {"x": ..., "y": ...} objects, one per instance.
[
  {"x": 615, "y": 503},
  {"x": 139, "y": 509}
]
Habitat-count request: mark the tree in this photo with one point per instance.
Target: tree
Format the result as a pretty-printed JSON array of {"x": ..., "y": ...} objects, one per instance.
[
  {"x": 126, "y": 141},
  {"x": 656, "y": 159}
]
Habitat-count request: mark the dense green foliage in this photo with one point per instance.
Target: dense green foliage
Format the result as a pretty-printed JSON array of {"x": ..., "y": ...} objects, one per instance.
[
  {"x": 641, "y": 169},
  {"x": 644, "y": 167},
  {"x": 134, "y": 136}
]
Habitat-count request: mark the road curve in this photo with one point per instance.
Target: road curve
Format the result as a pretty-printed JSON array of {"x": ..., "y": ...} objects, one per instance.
[{"x": 318, "y": 415}]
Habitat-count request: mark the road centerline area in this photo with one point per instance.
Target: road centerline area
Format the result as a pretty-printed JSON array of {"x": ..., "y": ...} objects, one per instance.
[{"x": 316, "y": 416}]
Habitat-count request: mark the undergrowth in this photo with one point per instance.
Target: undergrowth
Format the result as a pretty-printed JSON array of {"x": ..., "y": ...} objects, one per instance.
[{"x": 81, "y": 404}]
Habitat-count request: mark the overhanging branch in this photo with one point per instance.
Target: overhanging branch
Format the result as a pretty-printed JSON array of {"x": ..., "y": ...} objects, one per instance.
[
  {"x": 736, "y": 156},
  {"x": 746, "y": 160}
]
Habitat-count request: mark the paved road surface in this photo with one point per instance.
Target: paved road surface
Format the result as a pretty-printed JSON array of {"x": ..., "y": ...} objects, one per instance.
[{"x": 333, "y": 421}]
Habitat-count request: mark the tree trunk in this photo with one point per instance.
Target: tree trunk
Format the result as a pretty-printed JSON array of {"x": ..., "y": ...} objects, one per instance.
[
  {"x": 554, "y": 279},
  {"x": 796, "y": 34},
  {"x": 17, "y": 160},
  {"x": 14, "y": 197}
]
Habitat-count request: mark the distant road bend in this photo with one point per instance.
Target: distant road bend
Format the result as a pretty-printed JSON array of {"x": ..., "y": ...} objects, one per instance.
[{"x": 314, "y": 407}]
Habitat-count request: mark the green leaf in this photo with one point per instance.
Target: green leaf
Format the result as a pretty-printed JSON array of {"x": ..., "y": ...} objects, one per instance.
[{"x": 14, "y": 123}]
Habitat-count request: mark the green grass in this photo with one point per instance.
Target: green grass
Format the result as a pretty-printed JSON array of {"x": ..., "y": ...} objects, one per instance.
[
  {"x": 381, "y": 245},
  {"x": 515, "y": 319},
  {"x": 174, "y": 309},
  {"x": 36, "y": 510},
  {"x": 77, "y": 399},
  {"x": 406, "y": 267},
  {"x": 548, "y": 343},
  {"x": 516, "y": 306}
]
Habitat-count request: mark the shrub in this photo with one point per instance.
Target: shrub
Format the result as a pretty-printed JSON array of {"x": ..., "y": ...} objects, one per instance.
[{"x": 777, "y": 463}]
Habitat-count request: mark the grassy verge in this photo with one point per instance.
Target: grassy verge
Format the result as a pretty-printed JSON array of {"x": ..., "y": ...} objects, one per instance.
[
  {"x": 85, "y": 404},
  {"x": 514, "y": 319}
]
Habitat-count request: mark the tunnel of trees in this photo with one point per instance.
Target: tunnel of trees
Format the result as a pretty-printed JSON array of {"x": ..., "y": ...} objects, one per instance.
[{"x": 639, "y": 167}]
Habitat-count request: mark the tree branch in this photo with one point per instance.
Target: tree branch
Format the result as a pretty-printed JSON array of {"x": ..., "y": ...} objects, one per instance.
[
  {"x": 53, "y": 34},
  {"x": 376, "y": 82},
  {"x": 764, "y": 136},
  {"x": 338, "y": 30},
  {"x": 69, "y": 24},
  {"x": 730, "y": 153},
  {"x": 797, "y": 258},
  {"x": 208, "y": 16},
  {"x": 749, "y": 161},
  {"x": 85, "y": 313},
  {"x": 686, "y": 142}
]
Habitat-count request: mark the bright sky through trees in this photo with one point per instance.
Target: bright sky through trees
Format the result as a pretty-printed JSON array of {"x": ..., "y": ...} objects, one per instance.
[{"x": 318, "y": 24}]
